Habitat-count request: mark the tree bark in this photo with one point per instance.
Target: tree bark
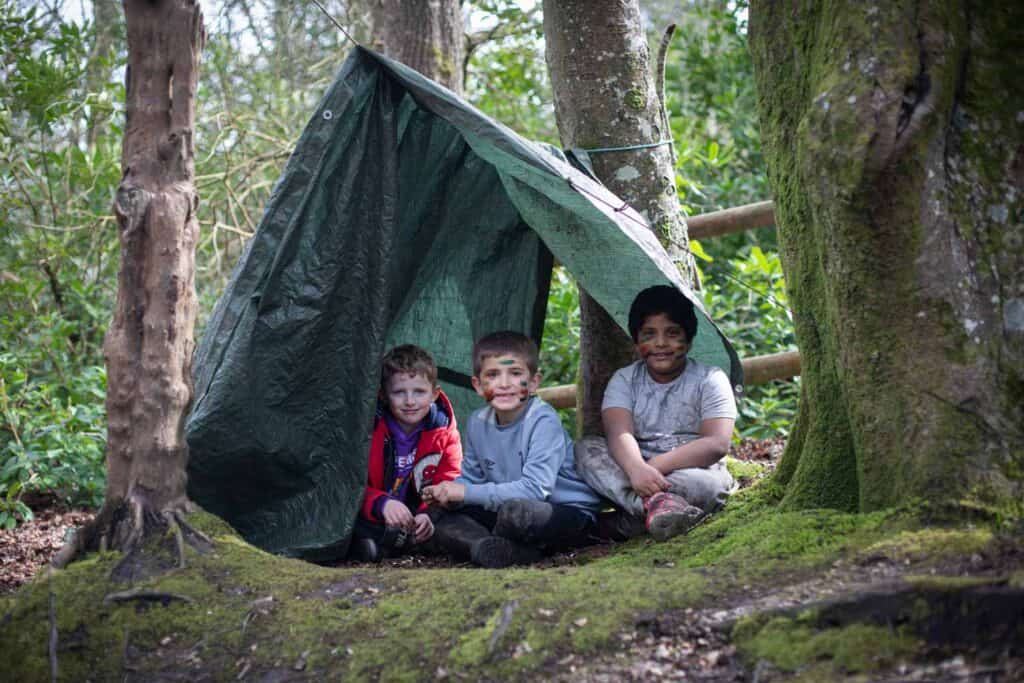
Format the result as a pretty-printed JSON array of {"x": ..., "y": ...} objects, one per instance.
[
  {"x": 148, "y": 347},
  {"x": 425, "y": 35},
  {"x": 896, "y": 150},
  {"x": 605, "y": 96}
]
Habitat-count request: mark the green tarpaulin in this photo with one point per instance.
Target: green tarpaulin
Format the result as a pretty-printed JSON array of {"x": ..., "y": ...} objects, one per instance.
[{"x": 403, "y": 216}]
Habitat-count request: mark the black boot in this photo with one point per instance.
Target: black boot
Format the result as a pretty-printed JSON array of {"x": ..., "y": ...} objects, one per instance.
[
  {"x": 455, "y": 533},
  {"x": 364, "y": 550},
  {"x": 495, "y": 552}
]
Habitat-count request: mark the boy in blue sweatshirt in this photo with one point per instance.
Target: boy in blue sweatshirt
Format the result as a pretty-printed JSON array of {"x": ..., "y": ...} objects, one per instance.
[{"x": 518, "y": 491}]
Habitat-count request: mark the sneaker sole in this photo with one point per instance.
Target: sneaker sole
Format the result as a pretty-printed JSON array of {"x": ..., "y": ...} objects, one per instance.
[{"x": 670, "y": 524}]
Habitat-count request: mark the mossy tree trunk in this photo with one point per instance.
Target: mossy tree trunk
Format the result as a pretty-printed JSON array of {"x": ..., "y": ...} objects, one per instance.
[
  {"x": 425, "y": 35},
  {"x": 895, "y": 138},
  {"x": 605, "y": 96},
  {"x": 148, "y": 347}
]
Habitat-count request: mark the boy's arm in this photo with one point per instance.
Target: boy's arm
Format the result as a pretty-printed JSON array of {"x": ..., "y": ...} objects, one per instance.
[
  {"x": 449, "y": 467},
  {"x": 545, "y": 450},
  {"x": 618, "y": 428},
  {"x": 705, "y": 451}
]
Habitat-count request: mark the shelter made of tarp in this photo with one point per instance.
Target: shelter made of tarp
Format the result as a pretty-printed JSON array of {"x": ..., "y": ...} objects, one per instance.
[{"x": 404, "y": 215}]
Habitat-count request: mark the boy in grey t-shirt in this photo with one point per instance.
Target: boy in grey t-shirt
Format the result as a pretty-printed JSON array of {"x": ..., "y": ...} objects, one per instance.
[{"x": 668, "y": 420}]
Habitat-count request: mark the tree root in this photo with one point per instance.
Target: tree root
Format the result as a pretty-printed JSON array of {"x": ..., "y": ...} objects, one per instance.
[
  {"x": 146, "y": 596},
  {"x": 140, "y": 532},
  {"x": 53, "y": 630}
]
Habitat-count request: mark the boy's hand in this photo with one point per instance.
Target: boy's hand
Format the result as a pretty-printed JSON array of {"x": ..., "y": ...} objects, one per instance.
[
  {"x": 646, "y": 480},
  {"x": 444, "y": 494},
  {"x": 424, "y": 527},
  {"x": 397, "y": 514}
]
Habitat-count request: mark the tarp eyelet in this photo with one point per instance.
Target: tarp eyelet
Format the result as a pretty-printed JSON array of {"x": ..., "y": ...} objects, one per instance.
[{"x": 328, "y": 115}]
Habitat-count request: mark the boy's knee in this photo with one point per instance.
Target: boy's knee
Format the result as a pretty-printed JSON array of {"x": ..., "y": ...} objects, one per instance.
[{"x": 516, "y": 518}]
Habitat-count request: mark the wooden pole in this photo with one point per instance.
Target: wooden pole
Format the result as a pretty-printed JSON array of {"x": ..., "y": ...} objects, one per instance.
[
  {"x": 756, "y": 370},
  {"x": 728, "y": 221}
]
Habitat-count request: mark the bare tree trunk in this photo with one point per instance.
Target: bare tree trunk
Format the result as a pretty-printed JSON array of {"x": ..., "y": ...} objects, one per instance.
[
  {"x": 149, "y": 345},
  {"x": 895, "y": 147},
  {"x": 426, "y": 35},
  {"x": 106, "y": 20},
  {"x": 605, "y": 97}
]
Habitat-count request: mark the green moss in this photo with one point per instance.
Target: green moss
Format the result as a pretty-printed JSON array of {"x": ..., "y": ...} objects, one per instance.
[
  {"x": 793, "y": 644},
  {"x": 274, "y": 613},
  {"x": 635, "y": 99},
  {"x": 932, "y": 543},
  {"x": 744, "y": 469}
]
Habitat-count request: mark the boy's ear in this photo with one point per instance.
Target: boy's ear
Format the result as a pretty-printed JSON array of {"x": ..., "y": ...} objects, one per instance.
[
  {"x": 475, "y": 381},
  {"x": 535, "y": 382}
]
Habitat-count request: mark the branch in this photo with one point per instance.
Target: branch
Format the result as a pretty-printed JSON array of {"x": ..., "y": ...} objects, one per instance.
[
  {"x": 660, "y": 85},
  {"x": 151, "y": 596}
]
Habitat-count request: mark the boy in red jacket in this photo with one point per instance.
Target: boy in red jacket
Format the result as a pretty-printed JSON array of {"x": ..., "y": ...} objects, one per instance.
[{"x": 414, "y": 444}]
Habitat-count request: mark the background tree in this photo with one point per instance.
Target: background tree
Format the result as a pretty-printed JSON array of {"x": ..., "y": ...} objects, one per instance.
[
  {"x": 149, "y": 344},
  {"x": 427, "y": 36},
  {"x": 895, "y": 145},
  {"x": 605, "y": 97}
]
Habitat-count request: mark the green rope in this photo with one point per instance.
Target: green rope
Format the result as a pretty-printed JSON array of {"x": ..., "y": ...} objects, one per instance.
[{"x": 629, "y": 147}]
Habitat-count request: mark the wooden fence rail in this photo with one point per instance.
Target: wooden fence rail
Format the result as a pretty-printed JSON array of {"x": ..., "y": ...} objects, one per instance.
[{"x": 728, "y": 221}]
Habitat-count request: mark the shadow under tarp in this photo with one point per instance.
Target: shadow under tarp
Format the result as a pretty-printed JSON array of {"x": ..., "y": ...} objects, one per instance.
[{"x": 404, "y": 215}]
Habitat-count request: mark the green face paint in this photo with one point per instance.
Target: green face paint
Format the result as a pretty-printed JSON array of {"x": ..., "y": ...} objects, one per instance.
[{"x": 507, "y": 361}]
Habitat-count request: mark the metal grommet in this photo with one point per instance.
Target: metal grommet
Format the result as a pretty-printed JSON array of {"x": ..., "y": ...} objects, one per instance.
[
  {"x": 328, "y": 115},
  {"x": 739, "y": 388}
]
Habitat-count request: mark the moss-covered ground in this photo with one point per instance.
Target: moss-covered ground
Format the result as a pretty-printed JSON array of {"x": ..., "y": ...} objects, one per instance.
[{"x": 240, "y": 613}]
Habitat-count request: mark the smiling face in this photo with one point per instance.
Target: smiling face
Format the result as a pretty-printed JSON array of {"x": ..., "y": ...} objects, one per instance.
[
  {"x": 409, "y": 398},
  {"x": 662, "y": 344},
  {"x": 506, "y": 384}
]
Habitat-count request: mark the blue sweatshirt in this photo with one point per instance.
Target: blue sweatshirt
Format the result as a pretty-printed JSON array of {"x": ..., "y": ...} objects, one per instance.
[{"x": 531, "y": 458}]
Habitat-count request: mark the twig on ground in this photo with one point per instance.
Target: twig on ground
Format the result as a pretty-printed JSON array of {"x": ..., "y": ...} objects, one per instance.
[
  {"x": 151, "y": 596},
  {"x": 53, "y": 630},
  {"x": 507, "y": 610}
]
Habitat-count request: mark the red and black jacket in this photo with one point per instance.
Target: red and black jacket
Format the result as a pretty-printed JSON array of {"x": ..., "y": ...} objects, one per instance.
[{"x": 439, "y": 437}]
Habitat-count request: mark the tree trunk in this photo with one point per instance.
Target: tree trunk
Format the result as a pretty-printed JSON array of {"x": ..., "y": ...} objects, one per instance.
[
  {"x": 148, "y": 347},
  {"x": 425, "y": 35},
  {"x": 895, "y": 142},
  {"x": 605, "y": 97}
]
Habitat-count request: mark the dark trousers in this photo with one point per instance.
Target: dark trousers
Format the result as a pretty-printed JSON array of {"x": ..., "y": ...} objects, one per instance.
[
  {"x": 388, "y": 538},
  {"x": 530, "y": 522}
]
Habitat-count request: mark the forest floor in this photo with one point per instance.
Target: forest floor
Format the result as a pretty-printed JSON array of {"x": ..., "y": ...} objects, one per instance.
[{"x": 752, "y": 595}]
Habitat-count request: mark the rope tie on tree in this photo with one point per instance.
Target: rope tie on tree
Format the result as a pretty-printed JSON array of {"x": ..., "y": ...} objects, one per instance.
[
  {"x": 659, "y": 143},
  {"x": 335, "y": 22}
]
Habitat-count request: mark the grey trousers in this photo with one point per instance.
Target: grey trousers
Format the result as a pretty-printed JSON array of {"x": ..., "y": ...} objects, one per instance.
[{"x": 706, "y": 487}]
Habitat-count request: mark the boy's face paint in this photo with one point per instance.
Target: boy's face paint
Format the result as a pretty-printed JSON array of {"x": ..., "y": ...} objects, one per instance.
[
  {"x": 409, "y": 398},
  {"x": 506, "y": 384},
  {"x": 662, "y": 344}
]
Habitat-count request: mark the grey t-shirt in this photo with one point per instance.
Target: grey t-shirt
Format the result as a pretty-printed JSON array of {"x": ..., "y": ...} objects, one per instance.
[{"x": 669, "y": 415}]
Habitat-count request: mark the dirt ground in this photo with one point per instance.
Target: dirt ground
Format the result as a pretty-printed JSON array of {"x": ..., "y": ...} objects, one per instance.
[{"x": 692, "y": 644}]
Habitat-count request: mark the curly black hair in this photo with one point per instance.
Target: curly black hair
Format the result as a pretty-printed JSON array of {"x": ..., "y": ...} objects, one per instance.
[{"x": 667, "y": 300}]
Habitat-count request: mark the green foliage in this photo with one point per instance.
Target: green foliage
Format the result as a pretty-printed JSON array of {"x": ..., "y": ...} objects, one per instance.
[{"x": 748, "y": 296}]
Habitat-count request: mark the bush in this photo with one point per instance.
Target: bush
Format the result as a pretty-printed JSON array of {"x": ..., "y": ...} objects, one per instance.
[{"x": 747, "y": 295}]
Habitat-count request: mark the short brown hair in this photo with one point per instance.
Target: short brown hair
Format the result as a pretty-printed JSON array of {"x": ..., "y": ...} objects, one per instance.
[
  {"x": 407, "y": 359},
  {"x": 504, "y": 343}
]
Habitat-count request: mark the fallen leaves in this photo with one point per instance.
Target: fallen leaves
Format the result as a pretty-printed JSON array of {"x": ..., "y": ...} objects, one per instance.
[{"x": 28, "y": 547}]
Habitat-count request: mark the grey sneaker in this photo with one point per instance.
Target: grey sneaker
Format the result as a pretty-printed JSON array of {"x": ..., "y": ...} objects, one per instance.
[
  {"x": 669, "y": 515},
  {"x": 495, "y": 552}
]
